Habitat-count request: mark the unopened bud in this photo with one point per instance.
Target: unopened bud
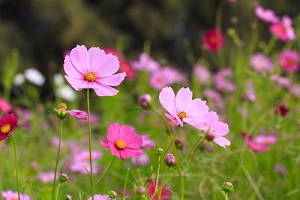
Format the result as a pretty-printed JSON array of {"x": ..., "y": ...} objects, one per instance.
[
  {"x": 227, "y": 187},
  {"x": 63, "y": 178},
  {"x": 68, "y": 197},
  {"x": 178, "y": 143},
  {"x": 145, "y": 101},
  {"x": 159, "y": 151},
  {"x": 112, "y": 194},
  {"x": 170, "y": 160},
  {"x": 61, "y": 112},
  {"x": 140, "y": 190}
]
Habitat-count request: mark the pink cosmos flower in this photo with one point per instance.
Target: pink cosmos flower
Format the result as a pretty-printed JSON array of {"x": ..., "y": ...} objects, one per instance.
[
  {"x": 8, "y": 123},
  {"x": 147, "y": 143},
  {"x": 222, "y": 81},
  {"x": 283, "y": 30},
  {"x": 83, "y": 167},
  {"x": 295, "y": 90},
  {"x": 141, "y": 160},
  {"x": 145, "y": 63},
  {"x": 261, "y": 63},
  {"x": 100, "y": 197},
  {"x": 266, "y": 140},
  {"x": 5, "y": 106},
  {"x": 282, "y": 81},
  {"x": 123, "y": 141},
  {"x": 266, "y": 15},
  {"x": 93, "y": 69},
  {"x": 10, "y": 195},
  {"x": 165, "y": 193},
  {"x": 260, "y": 143},
  {"x": 280, "y": 168},
  {"x": 289, "y": 60},
  {"x": 79, "y": 114},
  {"x": 213, "y": 40},
  {"x": 215, "y": 96},
  {"x": 202, "y": 74},
  {"x": 215, "y": 130},
  {"x": 250, "y": 94},
  {"x": 46, "y": 177}
]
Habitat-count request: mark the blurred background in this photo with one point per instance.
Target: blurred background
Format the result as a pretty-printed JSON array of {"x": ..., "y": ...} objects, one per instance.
[{"x": 42, "y": 31}]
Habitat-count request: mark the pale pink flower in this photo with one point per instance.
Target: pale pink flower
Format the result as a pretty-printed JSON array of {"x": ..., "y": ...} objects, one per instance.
[
  {"x": 215, "y": 96},
  {"x": 289, "y": 60},
  {"x": 215, "y": 130},
  {"x": 10, "y": 195},
  {"x": 260, "y": 143},
  {"x": 283, "y": 30},
  {"x": 282, "y": 81},
  {"x": 261, "y": 63},
  {"x": 222, "y": 81},
  {"x": 83, "y": 167},
  {"x": 46, "y": 177},
  {"x": 123, "y": 141},
  {"x": 249, "y": 93},
  {"x": 100, "y": 197},
  {"x": 5, "y": 106},
  {"x": 78, "y": 114},
  {"x": 85, "y": 155},
  {"x": 141, "y": 160},
  {"x": 147, "y": 143},
  {"x": 202, "y": 74},
  {"x": 93, "y": 69},
  {"x": 266, "y": 15},
  {"x": 145, "y": 63},
  {"x": 266, "y": 140},
  {"x": 280, "y": 168},
  {"x": 181, "y": 108},
  {"x": 295, "y": 90}
]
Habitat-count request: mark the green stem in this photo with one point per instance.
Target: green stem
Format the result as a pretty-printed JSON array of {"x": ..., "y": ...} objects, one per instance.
[
  {"x": 57, "y": 189},
  {"x": 90, "y": 141},
  {"x": 157, "y": 176},
  {"x": 124, "y": 190},
  {"x": 56, "y": 164},
  {"x": 106, "y": 172},
  {"x": 135, "y": 180},
  {"x": 270, "y": 45},
  {"x": 16, "y": 163},
  {"x": 191, "y": 150}
]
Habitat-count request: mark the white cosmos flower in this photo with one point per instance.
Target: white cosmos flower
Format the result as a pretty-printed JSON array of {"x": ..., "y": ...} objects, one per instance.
[
  {"x": 19, "y": 79},
  {"x": 34, "y": 76},
  {"x": 66, "y": 92},
  {"x": 58, "y": 79}
]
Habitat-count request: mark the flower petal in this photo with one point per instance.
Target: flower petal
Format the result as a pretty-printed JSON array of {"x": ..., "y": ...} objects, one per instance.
[
  {"x": 105, "y": 90},
  {"x": 128, "y": 153},
  {"x": 75, "y": 82},
  {"x": 168, "y": 101},
  {"x": 183, "y": 98},
  {"x": 109, "y": 65},
  {"x": 223, "y": 142},
  {"x": 196, "y": 107},
  {"x": 80, "y": 59},
  {"x": 96, "y": 56},
  {"x": 113, "y": 80},
  {"x": 71, "y": 70},
  {"x": 104, "y": 143},
  {"x": 113, "y": 132},
  {"x": 220, "y": 129}
]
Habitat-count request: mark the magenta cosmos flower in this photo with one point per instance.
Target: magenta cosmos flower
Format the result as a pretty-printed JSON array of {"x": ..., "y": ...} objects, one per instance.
[
  {"x": 289, "y": 60},
  {"x": 93, "y": 69},
  {"x": 8, "y": 123},
  {"x": 123, "y": 141},
  {"x": 283, "y": 30},
  {"x": 213, "y": 40},
  {"x": 181, "y": 108},
  {"x": 266, "y": 15}
]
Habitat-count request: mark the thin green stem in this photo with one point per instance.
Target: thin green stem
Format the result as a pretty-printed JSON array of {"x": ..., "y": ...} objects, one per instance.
[
  {"x": 124, "y": 190},
  {"x": 226, "y": 196},
  {"x": 270, "y": 45},
  {"x": 157, "y": 176},
  {"x": 16, "y": 166},
  {"x": 57, "y": 158},
  {"x": 191, "y": 150},
  {"x": 90, "y": 141},
  {"x": 135, "y": 180},
  {"x": 57, "y": 190},
  {"x": 106, "y": 172}
]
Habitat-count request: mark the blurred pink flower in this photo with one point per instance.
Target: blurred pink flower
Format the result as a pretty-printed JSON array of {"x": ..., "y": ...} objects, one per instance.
[
  {"x": 93, "y": 69},
  {"x": 216, "y": 130},
  {"x": 213, "y": 40},
  {"x": 166, "y": 76},
  {"x": 282, "y": 81},
  {"x": 165, "y": 192},
  {"x": 83, "y": 167},
  {"x": 249, "y": 93},
  {"x": 123, "y": 141},
  {"x": 283, "y": 30},
  {"x": 100, "y": 197},
  {"x": 280, "y": 168},
  {"x": 295, "y": 90},
  {"x": 10, "y": 195},
  {"x": 46, "y": 177},
  {"x": 141, "y": 160},
  {"x": 147, "y": 143},
  {"x": 222, "y": 81},
  {"x": 202, "y": 74},
  {"x": 181, "y": 108},
  {"x": 260, "y": 143},
  {"x": 266, "y": 15},
  {"x": 55, "y": 142},
  {"x": 289, "y": 60},
  {"x": 261, "y": 63},
  {"x": 8, "y": 123},
  {"x": 215, "y": 96},
  {"x": 266, "y": 140},
  {"x": 79, "y": 114},
  {"x": 5, "y": 107},
  {"x": 145, "y": 63}
]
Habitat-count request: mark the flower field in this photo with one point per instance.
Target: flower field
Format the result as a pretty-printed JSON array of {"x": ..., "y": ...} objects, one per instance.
[{"x": 142, "y": 128}]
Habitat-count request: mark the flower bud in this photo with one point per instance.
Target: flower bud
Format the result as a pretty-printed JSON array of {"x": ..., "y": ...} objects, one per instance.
[
  {"x": 68, "y": 197},
  {"x": 61, "y": 112},
  {"x": 178, "y": 143},
  {"x": 112, "y": 194},
  {"x": 170, "y": 160},
  {"x": 159, "y": 151},
  {"x": 63, "y": 178},
  {"x": 140, "y": 190},
  {"x": 227, "y": 187},
  {"x": 145, "y": 101}
]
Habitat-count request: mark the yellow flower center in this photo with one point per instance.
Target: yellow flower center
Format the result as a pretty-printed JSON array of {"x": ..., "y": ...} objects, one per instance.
[
  {"x": 120, "y": 144},
  {"x": 90, "y": 76},
  {"x": 5, "y": 129},
  {"x": 182, "y": 115}
]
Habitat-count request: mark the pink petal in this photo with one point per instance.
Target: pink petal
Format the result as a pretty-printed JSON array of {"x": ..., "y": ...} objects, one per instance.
[
  {"x": 114, "y": 150},
  {"x": 75, "y": 82},
  {"x": 79, "y": 58},
  {"x": 96, "y": 56},
  {"x": 104, "y": 143},
  {"x": 128, "y": 153},
  {"x": 167, "y": 100},
  {"x": 113, "y": 132},
  {"x": 183, "y": 98},
  {"x": 87, "y": 84},
  {"x": 174, "y": 119},
  {"x": 104, "y": 90},
  {"x": 223, "y": 142},
  {"x": 109, "y": 65},
  {"x": 71, "y": 70},
  {"x": 113, "y": 80},
  {"x": 196, "y": 108},
  {"x": 220, "y": 129}
]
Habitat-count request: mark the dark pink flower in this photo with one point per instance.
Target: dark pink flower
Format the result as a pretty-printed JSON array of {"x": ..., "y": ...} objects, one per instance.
[
  {"x": 5, "y": 106},
  {"x": 93, "y": 69},
  {"x": 289, "y": 60},
  {"x": 266, "y": 15},
  {"x": 79, "y": 114},
  {"x": 182, "y": 108},
  {"x": 8, "y": 123},
  {"x": 213, "y": 40},
  {"x": 165, "y": 193},
  {"x": 123, "y": 141},
  {"x": 283, "y": 30}
]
